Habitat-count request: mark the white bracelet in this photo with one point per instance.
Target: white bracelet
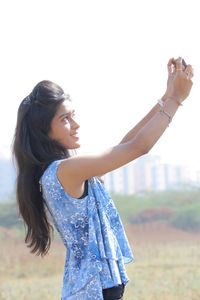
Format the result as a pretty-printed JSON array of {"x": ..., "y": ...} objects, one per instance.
[
  {"x": 161, "y": 102},
  {"x": 162, "y": 111}
]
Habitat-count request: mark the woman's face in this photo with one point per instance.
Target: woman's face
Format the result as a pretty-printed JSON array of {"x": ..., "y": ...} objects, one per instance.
[{"x": 64, "y": 128}]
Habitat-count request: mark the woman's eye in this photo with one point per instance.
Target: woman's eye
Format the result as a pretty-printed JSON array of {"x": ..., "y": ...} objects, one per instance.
[
  {"x": 69, "y": 117},
  {"x": 65, "y": 119}
]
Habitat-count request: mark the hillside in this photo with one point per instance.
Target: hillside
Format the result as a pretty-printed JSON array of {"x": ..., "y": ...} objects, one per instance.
[{"x": 179, "y": 209}]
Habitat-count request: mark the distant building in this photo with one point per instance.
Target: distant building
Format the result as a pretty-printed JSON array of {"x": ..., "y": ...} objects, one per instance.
[
  {"x": 121, "y": 181},
  {"x": 146, "y": 174},
  {"x": 7, "y": 179},
  {"x": 175, "y": 175},
  {"x": 198, "y": 178}
]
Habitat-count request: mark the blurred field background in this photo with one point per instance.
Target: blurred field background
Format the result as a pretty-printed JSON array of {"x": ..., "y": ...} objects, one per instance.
[{"x": 163, "y": 229}]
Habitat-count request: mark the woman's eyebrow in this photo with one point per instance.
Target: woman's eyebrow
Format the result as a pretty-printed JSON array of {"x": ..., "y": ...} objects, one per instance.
[
  {"x": 63, "y": 115},
  {"x": 66, "y": 114}
]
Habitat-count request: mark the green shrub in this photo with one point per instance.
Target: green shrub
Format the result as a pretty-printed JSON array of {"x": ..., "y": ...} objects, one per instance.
[
  {"x": 187, "y": 219},
  {"x": 152, "y": 214}
]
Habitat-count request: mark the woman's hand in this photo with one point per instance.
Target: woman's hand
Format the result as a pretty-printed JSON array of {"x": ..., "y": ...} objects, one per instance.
[{"x": 179, "y": 81}]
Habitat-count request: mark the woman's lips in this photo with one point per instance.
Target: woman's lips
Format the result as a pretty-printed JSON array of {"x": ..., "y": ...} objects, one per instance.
[{"x": 75, "y": 136}]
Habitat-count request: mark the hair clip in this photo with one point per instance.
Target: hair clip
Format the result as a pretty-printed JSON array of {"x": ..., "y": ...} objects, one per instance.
[
  {"x": 66, "y": 96},
  {"x": 27, "y": 100}
]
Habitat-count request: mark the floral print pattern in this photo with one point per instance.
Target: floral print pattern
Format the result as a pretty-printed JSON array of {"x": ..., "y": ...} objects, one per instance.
[{"x": 92, "y": 232}]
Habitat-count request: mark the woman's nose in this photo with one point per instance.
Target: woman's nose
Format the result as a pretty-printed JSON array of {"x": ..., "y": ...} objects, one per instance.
[{"x": 75, "y": 124}]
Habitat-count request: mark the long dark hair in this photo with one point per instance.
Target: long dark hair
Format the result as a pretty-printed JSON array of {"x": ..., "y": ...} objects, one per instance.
[{"x": 33, "y": 151}]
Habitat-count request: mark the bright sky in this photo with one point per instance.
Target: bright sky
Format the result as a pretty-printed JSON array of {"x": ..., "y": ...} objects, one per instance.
[{"x": 111, "y": 57}]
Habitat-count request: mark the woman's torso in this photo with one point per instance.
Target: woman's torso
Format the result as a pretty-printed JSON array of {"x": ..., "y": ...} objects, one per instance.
[{"x": 91, "y": 230}]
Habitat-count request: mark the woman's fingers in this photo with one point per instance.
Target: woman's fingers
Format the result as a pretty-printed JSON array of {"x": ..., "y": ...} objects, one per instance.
[
  {"x": 179, "y": 79},
  {"x": 179, "y": 65},
  {"x": 170, "y": 66},
  {"x": 189, "y": 72}
]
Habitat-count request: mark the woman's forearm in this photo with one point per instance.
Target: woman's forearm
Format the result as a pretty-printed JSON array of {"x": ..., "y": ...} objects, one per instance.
[
  {"x": 130, "y": 135},
  {"x": 150, "y": 133}
]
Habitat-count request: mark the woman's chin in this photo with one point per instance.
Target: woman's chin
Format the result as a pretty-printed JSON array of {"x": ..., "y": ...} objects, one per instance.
[{"x": 76, "y": 146}]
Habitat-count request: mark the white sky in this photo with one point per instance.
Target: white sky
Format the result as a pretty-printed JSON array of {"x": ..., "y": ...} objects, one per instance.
[{"x": 111, "y": 57}]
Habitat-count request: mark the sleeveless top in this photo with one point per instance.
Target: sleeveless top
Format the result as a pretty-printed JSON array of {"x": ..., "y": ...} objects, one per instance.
[{"x": 92, "y": 232}]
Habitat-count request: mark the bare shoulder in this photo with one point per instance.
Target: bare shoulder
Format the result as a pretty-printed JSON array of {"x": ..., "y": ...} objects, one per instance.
[{"x": 72, "y": 184}]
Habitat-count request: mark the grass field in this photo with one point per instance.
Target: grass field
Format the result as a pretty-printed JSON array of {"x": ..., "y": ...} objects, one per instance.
[
  {"x": 164, "y": 233},
  {"x": 166, "y": 267},
  {"x": 167, "y": 263}
]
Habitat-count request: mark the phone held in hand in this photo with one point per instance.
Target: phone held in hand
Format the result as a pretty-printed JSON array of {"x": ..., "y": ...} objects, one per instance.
[{"x": 183, "y": 62}]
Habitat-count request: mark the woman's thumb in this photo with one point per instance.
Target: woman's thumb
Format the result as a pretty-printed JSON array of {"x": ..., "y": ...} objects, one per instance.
[{"x": 179, "y": 66}]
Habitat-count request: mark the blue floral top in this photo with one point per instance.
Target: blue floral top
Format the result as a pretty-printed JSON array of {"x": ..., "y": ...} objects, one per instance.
[{"x": 92, "y": 231}]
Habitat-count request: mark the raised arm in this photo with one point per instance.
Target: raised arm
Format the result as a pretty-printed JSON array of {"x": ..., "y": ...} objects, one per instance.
[
  {"x": 130, "y": 135},
  {"x": 171, "y": 68},
  {"x": 77, "y": 169}
]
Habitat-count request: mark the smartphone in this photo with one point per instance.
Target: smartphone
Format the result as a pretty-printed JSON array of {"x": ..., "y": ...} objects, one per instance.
[{"x": 183, "y": 62}]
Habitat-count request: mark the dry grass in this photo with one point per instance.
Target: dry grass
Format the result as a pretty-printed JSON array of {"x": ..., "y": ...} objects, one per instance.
[
  {"x": 165, "y": 272},
  {"x": 166, "y": 268}
]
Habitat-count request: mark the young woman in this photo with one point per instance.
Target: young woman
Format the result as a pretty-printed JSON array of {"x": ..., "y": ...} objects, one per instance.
[{"x": 51, "y": 180}]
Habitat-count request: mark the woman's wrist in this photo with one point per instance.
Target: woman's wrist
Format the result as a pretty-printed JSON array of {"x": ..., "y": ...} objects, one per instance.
[
  {"x": 175, "y": 100},
  {"x": 168, "y": 107},
  {"x": 166, "y": 98}
]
